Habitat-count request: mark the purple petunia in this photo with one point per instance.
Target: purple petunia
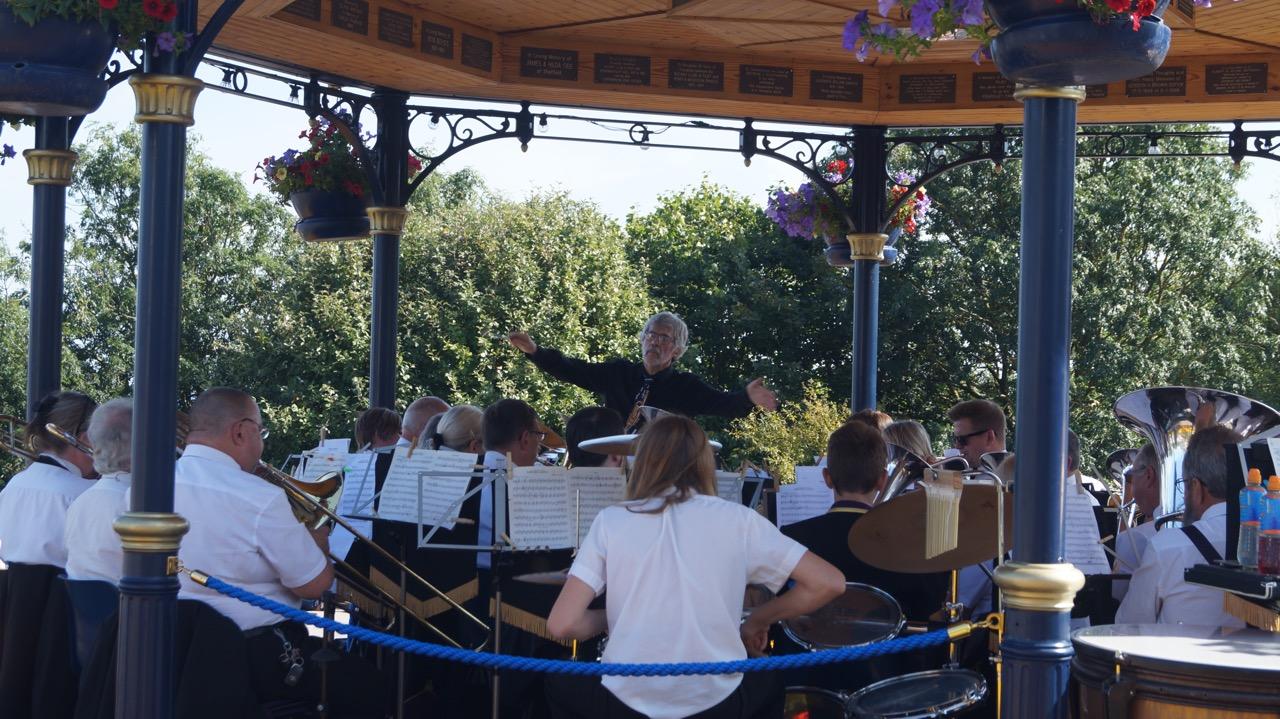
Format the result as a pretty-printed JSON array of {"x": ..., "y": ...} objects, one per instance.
[
  {"x": 7, "y": 153},
  {"x": 971, "y": 12},
  {"x": 166, "y": 41},
  {"x": 922, "y": 15},
  {"x": 886, "y": 6},
  {"x": 853, "y": 30}
]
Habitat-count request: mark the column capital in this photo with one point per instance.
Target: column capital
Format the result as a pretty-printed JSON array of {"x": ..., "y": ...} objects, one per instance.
[
  {"x": 1039, "y": 587},
  {"x": 165, "y": 98},
  {"x": 150, "y": 531},
  {"x": 49, "y": 167},
  {"x": 387, "y": 220},
  {"x": 1067, "y": 92},
  {"x": 866, "y": 245}
]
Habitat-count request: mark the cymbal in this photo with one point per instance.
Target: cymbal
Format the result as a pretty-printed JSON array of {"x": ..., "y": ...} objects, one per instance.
[
  {"x": 623, "y": 444},
  {"x": 892, "y": 535},
  {"x": 554, "y": 579}
]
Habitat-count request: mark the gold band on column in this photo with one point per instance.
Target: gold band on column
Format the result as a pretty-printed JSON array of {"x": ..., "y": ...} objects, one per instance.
[
  {"x": 165, "y": 98},
  {"x": 866, "y": 245},
  {"x": 49, "y": 167},
  {"x": 387, "y": 220},
  {"x": 1038, "y": 587},
  {"x": 150, "y": 531},
  {"x": 1065, "y": 92}
]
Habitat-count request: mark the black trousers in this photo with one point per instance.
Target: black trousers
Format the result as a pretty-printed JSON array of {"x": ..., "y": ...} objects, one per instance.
[
  {"x": 355, "y": 688},
  {"x": 759, "y": 696}
]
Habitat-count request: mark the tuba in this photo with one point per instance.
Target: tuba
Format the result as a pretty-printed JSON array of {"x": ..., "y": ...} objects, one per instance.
[{"x": 1168, "y": 416}]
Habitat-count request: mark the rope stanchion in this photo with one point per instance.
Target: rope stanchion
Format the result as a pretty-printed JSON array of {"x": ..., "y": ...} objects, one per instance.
[{"x": 509, "y": 662}]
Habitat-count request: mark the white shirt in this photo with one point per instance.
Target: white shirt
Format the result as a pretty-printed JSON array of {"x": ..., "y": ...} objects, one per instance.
[
  {"x": 492, "y": 461},
  {"x": 93, "y": 547},
  {"x": 1130, "y": 544},
  {"x": 33, "y": 512},
  {"x": 676, "y": 582},
  {"x": 242, "y": 532},
  {"x": 1159, "y": 594}
]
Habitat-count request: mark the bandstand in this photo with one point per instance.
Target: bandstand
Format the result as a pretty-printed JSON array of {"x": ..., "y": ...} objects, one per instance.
[{"x": 750, "y": 71}]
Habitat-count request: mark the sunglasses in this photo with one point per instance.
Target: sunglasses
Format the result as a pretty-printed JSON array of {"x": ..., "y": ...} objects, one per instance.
[{"x": 960, "y": 440}]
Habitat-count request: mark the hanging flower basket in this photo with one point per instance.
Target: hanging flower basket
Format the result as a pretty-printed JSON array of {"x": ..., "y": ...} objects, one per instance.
[
  {"x": 54, "y": 67},
  {"x": 327, "y": 216}
]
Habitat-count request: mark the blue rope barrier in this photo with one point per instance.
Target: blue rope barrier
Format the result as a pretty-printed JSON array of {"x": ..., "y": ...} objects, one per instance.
[{"x": 559, "y": 666}]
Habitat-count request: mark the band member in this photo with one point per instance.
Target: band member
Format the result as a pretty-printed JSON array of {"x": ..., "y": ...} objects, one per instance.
[
  {"x": 1158, "y": 593},
  {"x": 1143, "y": 480},
  {"x": 244, "y": 532},
  {"x": 592, "y": 423},
  {"x": 377, "y": 427},
  {"x": 416, "y": 415},
  {"x": 93, "y": 547},
  {"x": 676, "y": 561},
  {"x": 874, "y": 417},
  {"x": 654, "y": 382},
  {"x": 911, "y": 436},
  {"x": 1096, "y": 489},
  {"x": 35, "y": 672},
  {"x": 978, "y": 427},
  {"x": 461, "y": 429}
]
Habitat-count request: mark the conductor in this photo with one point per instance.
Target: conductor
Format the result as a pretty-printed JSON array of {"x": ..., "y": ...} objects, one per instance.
[{"x": 625, "y": 385}]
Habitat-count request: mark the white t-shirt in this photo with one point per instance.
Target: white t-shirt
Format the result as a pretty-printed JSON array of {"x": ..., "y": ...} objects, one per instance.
[
  {"x": 1130, "y": 545},
  {"x": 1158, "y": 593},
  {"x": 242, "y": 532},
  {"x": 93, "y": 547},
  {"x": 33, "y": 512},
  {"x": 676, "y": 582}
]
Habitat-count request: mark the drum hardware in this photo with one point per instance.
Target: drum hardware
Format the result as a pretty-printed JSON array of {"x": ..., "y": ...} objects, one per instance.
[
  {"x": 937, "y": 693},
  {"x": 862, "y": 615}
]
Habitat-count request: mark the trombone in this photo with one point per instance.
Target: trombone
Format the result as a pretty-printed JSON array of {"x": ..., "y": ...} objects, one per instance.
[{"x": 11, "y": 440}]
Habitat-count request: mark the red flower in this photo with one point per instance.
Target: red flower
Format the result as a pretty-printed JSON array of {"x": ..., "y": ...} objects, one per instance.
[
  {"x": 108, "y": 4},
  {"x": 153, "y": 8},
  {"x": 169, "y": 12},
  {"x": 1145, "y": 7},
  {"x": 1118, "y": 5}
]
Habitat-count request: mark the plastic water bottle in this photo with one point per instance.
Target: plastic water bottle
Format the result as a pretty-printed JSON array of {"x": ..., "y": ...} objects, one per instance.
[
  {"x": 1269, "y": 541},
  {"x": 1250, "y": 520}
]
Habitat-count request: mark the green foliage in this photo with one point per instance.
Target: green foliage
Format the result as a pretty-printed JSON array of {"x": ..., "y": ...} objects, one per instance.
[{"x": 792, "y": 436}]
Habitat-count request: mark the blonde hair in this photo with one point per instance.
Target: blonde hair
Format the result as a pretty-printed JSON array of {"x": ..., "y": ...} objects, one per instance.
[
  {"x": 673, "y": 453},
  {"x": 459, "y": 427},
  {"x": 911, "y": 436}
]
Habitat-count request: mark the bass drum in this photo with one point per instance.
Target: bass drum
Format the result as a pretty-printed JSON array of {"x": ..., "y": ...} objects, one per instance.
[
  {"x": 1143, "y": 671},
  {"x": 812, "y": 703},
  {"x": 939, "y": 693}
]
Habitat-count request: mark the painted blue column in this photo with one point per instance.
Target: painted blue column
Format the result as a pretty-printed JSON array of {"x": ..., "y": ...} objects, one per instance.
[
  {"x": 1038, "y": 589},
  {"x": 866, "y": 252},
  {"x": 47, "y": 163},
  {"x": 387, "y": 223}
]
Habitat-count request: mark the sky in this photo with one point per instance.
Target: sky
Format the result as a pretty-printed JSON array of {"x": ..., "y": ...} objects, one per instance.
[{"x": 237, "y": 132}]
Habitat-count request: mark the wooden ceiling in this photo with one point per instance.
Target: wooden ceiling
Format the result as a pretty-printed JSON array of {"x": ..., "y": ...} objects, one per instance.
[{"x": 767, "y": 59}]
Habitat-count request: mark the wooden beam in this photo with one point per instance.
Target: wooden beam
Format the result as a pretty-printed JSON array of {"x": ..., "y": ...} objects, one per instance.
[{"x": 584, "y": 23}]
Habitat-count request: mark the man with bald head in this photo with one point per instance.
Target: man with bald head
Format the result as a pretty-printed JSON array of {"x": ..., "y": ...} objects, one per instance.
[{"x": 416, "y": 416}]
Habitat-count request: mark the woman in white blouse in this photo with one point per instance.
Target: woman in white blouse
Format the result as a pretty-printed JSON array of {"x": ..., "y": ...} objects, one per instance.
[{"x": 676, "y": 560}]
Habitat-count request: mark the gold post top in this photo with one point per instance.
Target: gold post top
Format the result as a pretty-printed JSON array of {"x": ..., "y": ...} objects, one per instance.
[
  {"x": 866, "y": 245},
  {"x": 1039, "y": 587},
  {"x": 49, "y": 167},
  {"x": 150, "y": 531},
  {"x": 1067, "y": 92},
  {"x": 387, "y": 220},
  {"x": 165, "y": 98}
]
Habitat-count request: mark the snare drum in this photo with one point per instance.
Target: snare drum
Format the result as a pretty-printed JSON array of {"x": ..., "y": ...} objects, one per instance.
[
  {"x": 812, "y": 703},
  {"x": 939, "y": 693},
  {"x": 863, "y": 614},
  {"x": 1162, "y": 670}
]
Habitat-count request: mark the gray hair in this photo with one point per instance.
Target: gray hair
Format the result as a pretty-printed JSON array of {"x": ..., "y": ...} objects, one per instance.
[
  {"x": 111, "y": 435},
  {"x": 679, "y": 330},
  {"x": 911, "y": 436},
  {"x": 1206, "y": 458},
  {"x": 460, "y": 426},
  {"x": 1147, "y": 458}
]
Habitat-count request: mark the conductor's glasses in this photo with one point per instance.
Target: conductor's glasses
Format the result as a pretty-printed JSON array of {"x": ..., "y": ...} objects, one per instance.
[{"x": 659, "y": 337}]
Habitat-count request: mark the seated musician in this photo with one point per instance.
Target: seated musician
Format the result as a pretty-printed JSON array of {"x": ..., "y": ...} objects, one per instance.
[
  {"x": 592, "y": 423},
  {"x": 244, "y": 532},
  {"x": 978, "y": 426},
  {"x": 676, "y": 561},
  {"x": 377, "y": 427},
  {"x": 1096, "y": 489},
  {"x": 911, "y": 436},
  {"x": 872, "y": 417},
  {"x": 1158, "y": 593},
  {"x": 93, "y": 547},
  {"x": 1143, "y": 481},
  {"x": 461, "y": 429},
  {"x": 35, "y": 676},
  {"x": 416, "y": 416}
]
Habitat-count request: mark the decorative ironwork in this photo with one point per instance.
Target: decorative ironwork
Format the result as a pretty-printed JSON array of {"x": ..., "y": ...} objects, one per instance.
[
  {"x": 805, "y": 151},
  {"x": 937, "y": 154},
  {"x": 468, "y": 128}
]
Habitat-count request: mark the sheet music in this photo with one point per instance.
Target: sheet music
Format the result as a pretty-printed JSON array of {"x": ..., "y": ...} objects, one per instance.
[
  {"x": 536, "y": 498},
  {"x": 808, "y": 497},
  {"x": 446, "y": 477},
  {"x": 1080, "y": 532},
  {"x": 1273, "y": 446},
  {"x": 591, "y": 489},
  {"x": 341, "y": 446},
  {"x": 729, "y": 486},
  {"x": 317, "y": 462}
]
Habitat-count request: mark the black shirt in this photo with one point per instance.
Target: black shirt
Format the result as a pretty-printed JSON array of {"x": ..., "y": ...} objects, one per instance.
[
  {"x": 827, "y": 536},
  {"x": 619, "y": 381}
]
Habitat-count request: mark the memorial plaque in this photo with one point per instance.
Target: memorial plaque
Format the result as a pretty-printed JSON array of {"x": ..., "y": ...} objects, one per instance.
[
  {"x": 437, "y": 40},
  {"x": 1165, "y": 82},
  {"x": 765, "y": 80},
  {"x": 1188, "y": 8},
  {"x": 477, "y": 52},
  {"x": 1240, "y": 79},
  {"x": 547, "y": 63},
  {"x": 926, "y": 89},
  {"x": 695, "y": 75},
  {"x": 622, "y": 69},
  {"x": 991, "y": 87},
  {"x": 1095, "y": 92},
  {"x": 837, "y": 86},
  {"x": 310, "y": 9},
  {"x": 350, "y": 15},
  {"x": 395, "y": 27}
]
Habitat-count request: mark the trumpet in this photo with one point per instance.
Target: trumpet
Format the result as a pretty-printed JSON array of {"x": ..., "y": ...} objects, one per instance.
[
  {"x": 65, "y": 436},
  {"x": 11, "y": 440}
]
